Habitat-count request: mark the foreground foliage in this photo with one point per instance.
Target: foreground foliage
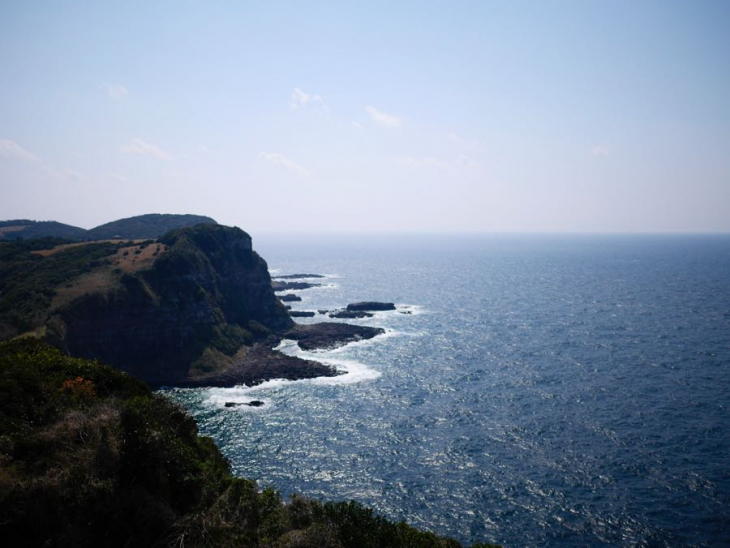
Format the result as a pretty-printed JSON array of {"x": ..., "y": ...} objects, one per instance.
[{"x": 90, "y": 457}]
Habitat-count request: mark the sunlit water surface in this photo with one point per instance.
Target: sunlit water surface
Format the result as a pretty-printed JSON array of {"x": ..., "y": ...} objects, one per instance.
[{"x": 565, "y": 391}]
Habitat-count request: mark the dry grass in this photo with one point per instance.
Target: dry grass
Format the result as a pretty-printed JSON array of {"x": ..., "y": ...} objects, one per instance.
[
  {"x": 101, "y": 280},
  {"x": 127, "y": 260},
  {"x": 134, "y": 258},
  {"x": 59, "y": 248},
  {"x": 10, "y": 229}
]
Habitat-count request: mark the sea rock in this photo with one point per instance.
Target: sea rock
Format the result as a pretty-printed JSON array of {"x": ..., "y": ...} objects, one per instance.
[
  {"x": 297, "y": 276},
  {"x": 254, "y": 403},
  {"x": 301, "y": 314},
  {"x": 284, "y": 286},
  {"x": 329, "y": 334},
  {"x": 290, "y": 297},
  {"x": 258, "y": 364},
  {"x": 323, "y": 311},
  {"x": 351, "y": 314},
  {"x": 370, "y": 305}
]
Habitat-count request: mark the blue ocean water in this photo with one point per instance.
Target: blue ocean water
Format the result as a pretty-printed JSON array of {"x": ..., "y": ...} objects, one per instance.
[{"x": 543, "y": 390}]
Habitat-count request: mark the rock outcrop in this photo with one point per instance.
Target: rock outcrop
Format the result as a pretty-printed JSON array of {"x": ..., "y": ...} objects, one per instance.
[
  {"x": 370, "y": 305},
  {"x": 350, "y": 314},
  {"x": 301, "y": 314},
  {"x": 329, "y": 334},
  {"x": 285, "y": 286}
]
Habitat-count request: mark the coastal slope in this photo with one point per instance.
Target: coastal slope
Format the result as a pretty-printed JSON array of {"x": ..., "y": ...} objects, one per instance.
[{"x": 90, "y": 457}]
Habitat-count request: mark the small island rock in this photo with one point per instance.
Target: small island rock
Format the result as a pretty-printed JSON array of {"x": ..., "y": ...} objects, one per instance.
[
  {"x": 370, "y": 305},
  {"x": 350, "y": 314}
]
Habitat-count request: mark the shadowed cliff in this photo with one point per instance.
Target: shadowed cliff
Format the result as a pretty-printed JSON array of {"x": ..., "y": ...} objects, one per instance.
[{"x": 164, "y": 310}]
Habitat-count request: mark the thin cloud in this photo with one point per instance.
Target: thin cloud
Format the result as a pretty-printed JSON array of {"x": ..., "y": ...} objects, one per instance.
[
  {"x": 204, "y": 150},
  {"x": 300, "y": 99},
  {"x": 382, "y": 118},
  {"x": 280, "y": 159},
  {"x": 11, "y": 149},
  {"x": 138, "y": 146},
  {"x": 72, "y": 175},
  {"x": 600, "y": 151},
  {"x": 357, "y": 125},
  {"x": 426, "y": 162},
  {"x": 465, "y": 161},
  {"x": 474, "y": 147},
  {"x": 116, "y": 91},
  {"x": 118, "y": 178}
]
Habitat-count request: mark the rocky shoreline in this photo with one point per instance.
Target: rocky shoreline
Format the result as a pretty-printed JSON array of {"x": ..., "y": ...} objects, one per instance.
[
  {"x": 260, "y": 364},
  {"x": 328, "y": 335}
]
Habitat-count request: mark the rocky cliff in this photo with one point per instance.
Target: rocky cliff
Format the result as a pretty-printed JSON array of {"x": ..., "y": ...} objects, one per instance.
[
  {"x": 181, "y": 307},
  {"x": 203, "y": 298}
]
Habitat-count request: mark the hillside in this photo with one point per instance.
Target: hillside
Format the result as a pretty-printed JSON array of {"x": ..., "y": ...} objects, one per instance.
[
  {"x": 152, "y": 225},
  {"x": 147, "y": 226},
  {"x": 25, "y": 229},
  {"x": 90, "y": 457},
  {"x": 165, "y": 310}
]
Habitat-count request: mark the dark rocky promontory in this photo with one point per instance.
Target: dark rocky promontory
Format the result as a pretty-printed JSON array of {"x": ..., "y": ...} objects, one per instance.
[
  {"x": 289, "y": 298},
  {"x": 284, "y": 286},
  {"x": 370, "y": 305},
  {"x": 351, "y": 314},
  {"x": 301, "y": 314},
  {"x": 329, "y": 334},
  {"x": 260, "y": 363}
]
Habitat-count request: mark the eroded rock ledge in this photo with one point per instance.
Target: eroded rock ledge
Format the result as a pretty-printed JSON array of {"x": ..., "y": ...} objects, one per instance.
[
  {"x": 329, "y": 334},
  {"x": 259, "y": 364}
]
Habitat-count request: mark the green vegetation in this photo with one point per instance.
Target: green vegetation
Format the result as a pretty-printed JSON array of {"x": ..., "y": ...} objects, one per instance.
[
  {"x": 145, "y": 226},
  {"x": 25, "y": 229},
  {"x": 28, "y": 281},
  {"x": 142, "y": 226},
  {"x": 90, "y": 457}
]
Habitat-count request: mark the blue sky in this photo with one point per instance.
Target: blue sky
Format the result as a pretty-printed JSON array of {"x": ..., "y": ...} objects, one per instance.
[{"x": 369, "y": 116}]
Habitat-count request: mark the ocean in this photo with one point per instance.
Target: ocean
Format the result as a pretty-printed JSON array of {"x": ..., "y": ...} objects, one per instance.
[{"x": 529, "y": 391}]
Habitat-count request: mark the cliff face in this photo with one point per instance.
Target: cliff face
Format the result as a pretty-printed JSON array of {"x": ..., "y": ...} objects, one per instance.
[{"x": 202, "y": 299}]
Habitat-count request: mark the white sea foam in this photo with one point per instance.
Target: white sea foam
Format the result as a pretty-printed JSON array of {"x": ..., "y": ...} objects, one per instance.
[
  {"x": 353, "y": 371},
  {"x": 218, "y": 397},
  {"x": 414, "y": 309},
  {"x": 320, "y": 355}
]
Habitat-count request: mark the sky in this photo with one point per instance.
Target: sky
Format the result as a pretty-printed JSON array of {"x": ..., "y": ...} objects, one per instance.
[{"x": 337, "y": 117}]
